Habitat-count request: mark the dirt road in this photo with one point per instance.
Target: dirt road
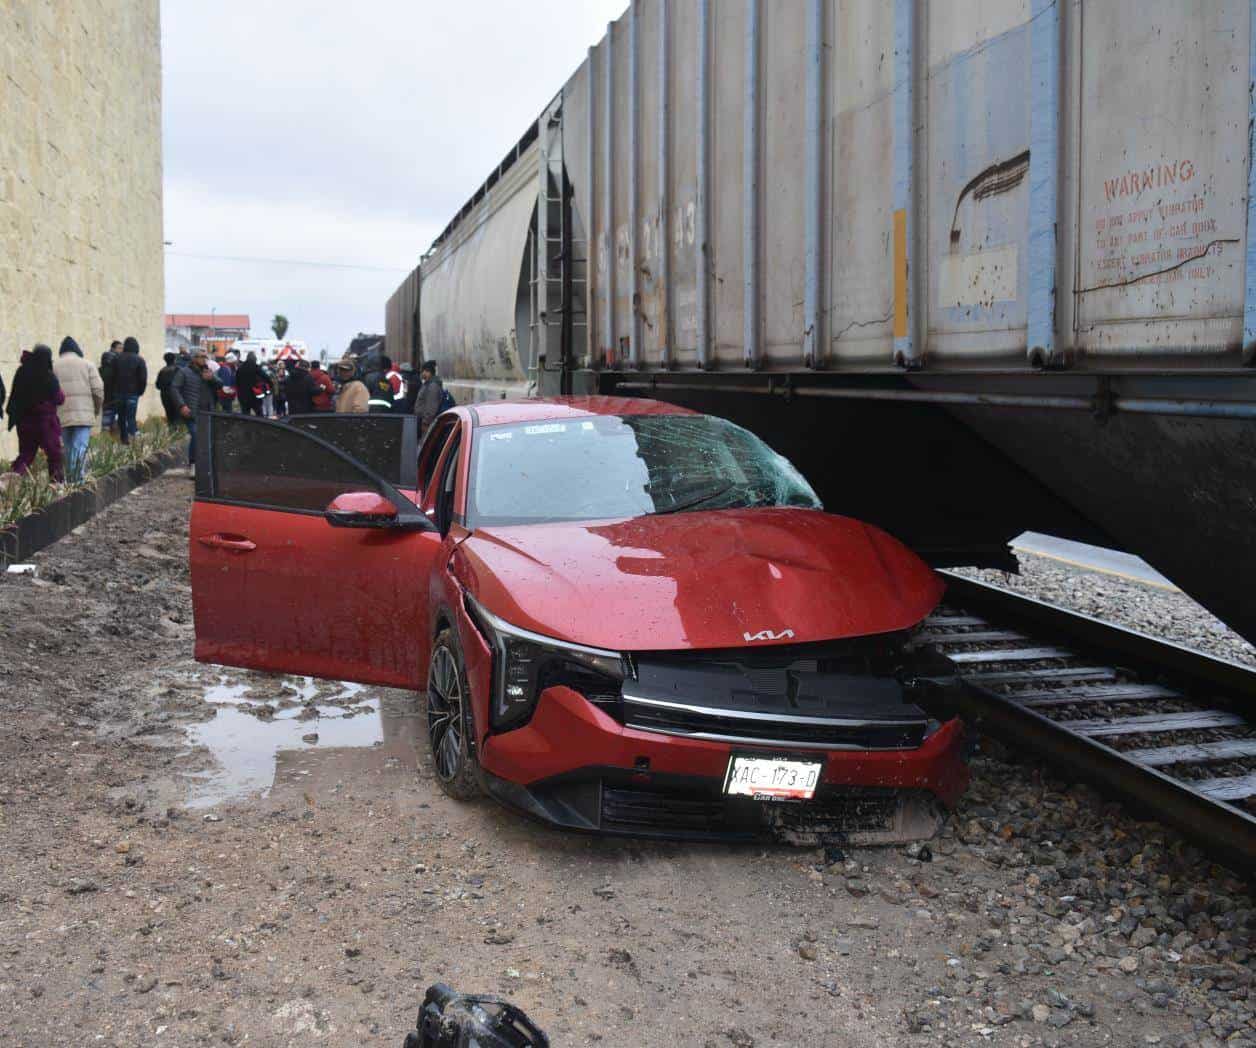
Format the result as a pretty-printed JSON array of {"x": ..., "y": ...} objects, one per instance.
[{"x": 166, "y": 880}]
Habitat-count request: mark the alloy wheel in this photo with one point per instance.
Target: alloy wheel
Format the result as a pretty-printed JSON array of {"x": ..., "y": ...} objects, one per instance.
[{"x": 444, "y": 714}]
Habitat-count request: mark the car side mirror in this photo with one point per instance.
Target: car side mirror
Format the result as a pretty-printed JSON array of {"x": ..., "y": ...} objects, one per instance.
[{"x": 361, "y": 509}]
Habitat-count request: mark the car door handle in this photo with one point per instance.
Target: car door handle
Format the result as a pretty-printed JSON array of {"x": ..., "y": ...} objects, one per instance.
[{"x": 240, "y": 545}]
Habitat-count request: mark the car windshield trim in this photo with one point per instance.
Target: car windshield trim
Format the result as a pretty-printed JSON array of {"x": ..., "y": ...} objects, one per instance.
[{"x": 620, "y": 467}]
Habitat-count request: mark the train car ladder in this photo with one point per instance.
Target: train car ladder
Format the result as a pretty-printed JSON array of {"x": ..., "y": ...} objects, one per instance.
[{"x": 559, "y": 264}]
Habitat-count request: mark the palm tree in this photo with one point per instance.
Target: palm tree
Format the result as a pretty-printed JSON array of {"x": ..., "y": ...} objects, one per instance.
[{"x": 279, "y": 325}]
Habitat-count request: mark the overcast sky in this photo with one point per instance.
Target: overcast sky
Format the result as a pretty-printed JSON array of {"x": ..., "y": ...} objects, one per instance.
[{"x": 341, "y": 134}]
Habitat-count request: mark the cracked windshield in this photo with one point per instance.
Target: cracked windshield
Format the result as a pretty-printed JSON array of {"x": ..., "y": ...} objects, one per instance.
[{"x": 613, "y": 467}]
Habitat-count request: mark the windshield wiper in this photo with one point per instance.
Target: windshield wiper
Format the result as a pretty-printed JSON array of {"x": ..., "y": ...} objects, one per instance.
[{"x": 697, "y": 500}]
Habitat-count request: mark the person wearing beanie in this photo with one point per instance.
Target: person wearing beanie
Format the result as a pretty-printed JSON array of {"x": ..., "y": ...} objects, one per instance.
[
  {"x": 33, "y": 407},
  {"x": 432, "y": 398},
  {"x": 84, "y": 397}
]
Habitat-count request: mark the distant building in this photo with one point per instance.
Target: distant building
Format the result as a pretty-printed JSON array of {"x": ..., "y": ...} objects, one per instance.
[{"x": 185, "y": 330}]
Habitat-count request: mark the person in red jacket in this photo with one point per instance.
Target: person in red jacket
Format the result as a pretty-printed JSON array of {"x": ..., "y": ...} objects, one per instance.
[{"x": 324, "y": 398}]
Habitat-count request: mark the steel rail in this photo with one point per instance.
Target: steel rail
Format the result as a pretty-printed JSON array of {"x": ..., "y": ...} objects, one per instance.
[{"x": 1195, "y": 808}]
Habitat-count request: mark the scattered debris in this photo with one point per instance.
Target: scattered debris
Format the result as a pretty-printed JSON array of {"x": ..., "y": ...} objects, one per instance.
[{"x": 450, "y": 1020}]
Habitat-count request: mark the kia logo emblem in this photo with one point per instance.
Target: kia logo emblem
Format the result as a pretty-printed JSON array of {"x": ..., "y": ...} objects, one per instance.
[{"x": 768, "y": 635}]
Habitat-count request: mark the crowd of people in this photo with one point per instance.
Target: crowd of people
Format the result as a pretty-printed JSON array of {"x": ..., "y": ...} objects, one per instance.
[{"x": 55, "y": 404}]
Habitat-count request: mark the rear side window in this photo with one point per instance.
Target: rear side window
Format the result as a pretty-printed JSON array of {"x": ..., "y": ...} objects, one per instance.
[
  {"x": 384, "y": 444},
  {"x": 274, "y": 466}
]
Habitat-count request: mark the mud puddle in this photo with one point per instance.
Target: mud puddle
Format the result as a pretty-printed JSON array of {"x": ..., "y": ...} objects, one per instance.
[{"x": 256, "y": 726}]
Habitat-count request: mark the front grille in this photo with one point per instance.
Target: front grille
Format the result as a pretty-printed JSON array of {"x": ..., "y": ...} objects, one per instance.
[
  {"x": 639, "y": 811},
  {"x": 840, "y": 695},
  {"x": 835, "y": 812},
  {"x": 752, "y": 726}
]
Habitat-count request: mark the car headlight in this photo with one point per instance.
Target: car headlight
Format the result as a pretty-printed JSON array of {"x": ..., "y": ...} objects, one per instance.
[{"x": 526, "y": 663}]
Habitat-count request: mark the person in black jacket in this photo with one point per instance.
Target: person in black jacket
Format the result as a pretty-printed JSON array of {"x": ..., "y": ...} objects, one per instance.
[
  {"x": 194, "y": 389},
  {"x": 431, "y": 400},
  {"x": 164, "y": 378},
  {"x": 280, "y": 385},
  {"x": 109, "y": 376},
  {"x": 300, "y": 389},
  {"x": 250, "y": 386},
  {"x": 130, "y": 381},
  {"x": 411, "y": 378}
]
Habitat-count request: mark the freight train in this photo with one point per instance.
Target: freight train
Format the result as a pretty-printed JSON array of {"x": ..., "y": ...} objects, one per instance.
[{"x": 976, "y": 268}]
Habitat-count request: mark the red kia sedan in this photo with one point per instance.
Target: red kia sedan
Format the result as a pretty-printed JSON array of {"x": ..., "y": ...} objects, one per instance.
[{"x": 620, "y": 615}]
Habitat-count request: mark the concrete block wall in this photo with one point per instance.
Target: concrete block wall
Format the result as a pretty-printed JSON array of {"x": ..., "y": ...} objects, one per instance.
[{"x": 80, "y": 179}]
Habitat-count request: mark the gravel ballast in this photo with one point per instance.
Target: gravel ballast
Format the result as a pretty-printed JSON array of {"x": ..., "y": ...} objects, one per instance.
[{"x": 1166, "y": 613}]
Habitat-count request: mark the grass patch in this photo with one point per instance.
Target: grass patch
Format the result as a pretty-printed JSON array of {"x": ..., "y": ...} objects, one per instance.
[{"x": 22, "y": 496}]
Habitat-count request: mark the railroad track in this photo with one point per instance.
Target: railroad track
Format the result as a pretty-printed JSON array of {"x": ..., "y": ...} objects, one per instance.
[{"x": 1169, "y": 731}]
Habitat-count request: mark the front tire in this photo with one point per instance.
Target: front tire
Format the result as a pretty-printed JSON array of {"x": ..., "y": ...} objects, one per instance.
[{"x": 449, "y": 720}]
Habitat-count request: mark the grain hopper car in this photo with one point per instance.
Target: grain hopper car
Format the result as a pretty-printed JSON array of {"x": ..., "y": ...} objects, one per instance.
[{"x": 975, "y": 267}]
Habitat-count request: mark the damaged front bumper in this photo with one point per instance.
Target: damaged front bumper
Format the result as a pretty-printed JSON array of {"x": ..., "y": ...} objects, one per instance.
[
  {"x": 576, "y": 767},
  {"x": 619, "y": 803}
]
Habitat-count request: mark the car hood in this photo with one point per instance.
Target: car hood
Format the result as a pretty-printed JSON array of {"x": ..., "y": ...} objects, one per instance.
[{"x": 716, "y": 579}]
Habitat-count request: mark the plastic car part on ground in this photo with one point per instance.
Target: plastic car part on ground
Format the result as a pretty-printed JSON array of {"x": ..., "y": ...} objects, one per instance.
[{"x": 450, "y": 1020}]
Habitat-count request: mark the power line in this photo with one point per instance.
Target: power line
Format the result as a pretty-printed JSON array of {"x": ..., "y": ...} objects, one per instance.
[{"x": 286, "y": 262}]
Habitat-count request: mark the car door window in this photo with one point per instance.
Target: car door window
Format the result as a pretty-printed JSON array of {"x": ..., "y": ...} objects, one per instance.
[
  {"x": 385, "y": 444},
  {"x": 271, "y": 465},
  {"x": 430, "y": 454}
]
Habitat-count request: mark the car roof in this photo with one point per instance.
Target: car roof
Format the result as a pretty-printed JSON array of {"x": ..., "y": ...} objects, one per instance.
[{"x": 545, "y": 409}]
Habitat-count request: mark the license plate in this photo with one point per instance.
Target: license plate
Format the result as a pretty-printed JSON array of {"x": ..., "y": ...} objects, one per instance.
[{"x": 772, "y": 778}]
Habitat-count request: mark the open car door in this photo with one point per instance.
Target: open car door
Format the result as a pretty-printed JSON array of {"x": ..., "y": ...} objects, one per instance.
[{"x": 304, "y": 559}]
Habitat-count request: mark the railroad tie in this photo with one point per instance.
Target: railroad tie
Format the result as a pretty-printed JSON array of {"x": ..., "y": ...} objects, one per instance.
[
  {"x": 970, "y": 658},
  {"x": 1194, "y": 753},
  {"x": 1154, "y": 722},
  {"x": 976, "y": 637},
  {"x": 1235, "y": 789},
  {"x": 1103, "y": 693},
  {"x": 1070, "y": 675},
  {"x": 951, "y": 621}
]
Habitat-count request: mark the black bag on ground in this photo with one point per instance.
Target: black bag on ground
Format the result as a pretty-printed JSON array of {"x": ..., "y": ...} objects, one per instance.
[{"x": 450, "y": 1020}]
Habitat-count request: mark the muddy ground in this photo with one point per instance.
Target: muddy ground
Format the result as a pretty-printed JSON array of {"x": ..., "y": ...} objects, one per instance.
[{"x": 165, "y": 880}]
